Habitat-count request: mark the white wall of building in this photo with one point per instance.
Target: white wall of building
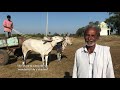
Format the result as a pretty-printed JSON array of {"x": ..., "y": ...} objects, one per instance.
[
  {"x": 104, "y": 32},
  {"x": 104, "y": 29}
]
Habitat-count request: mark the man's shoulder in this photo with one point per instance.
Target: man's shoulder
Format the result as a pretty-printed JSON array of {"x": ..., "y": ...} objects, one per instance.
[
  {"x": 102, "y": 46},
  {"x": 5, "y": 19},
  {"x": 80, "y": 49}
]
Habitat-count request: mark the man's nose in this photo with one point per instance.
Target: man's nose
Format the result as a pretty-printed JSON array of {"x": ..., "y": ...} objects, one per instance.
[{"x": 90, "y": 37}]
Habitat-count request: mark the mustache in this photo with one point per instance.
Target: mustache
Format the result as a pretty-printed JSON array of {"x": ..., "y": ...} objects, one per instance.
[
  {"x": 90, "y": 41},
  {"x": 90, "y": 44}
]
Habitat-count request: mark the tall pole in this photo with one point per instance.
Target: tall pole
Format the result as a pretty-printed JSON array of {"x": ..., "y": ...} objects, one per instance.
[{"x": 47, "y": 24}]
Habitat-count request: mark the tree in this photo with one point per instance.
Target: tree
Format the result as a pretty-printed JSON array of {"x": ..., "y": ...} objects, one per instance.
[
  {"x": 56, "y": 34},
  {"x": 114, "y": 21},
  {"x": 94, "y": 23},
  {"x": 80, "y": 31}
]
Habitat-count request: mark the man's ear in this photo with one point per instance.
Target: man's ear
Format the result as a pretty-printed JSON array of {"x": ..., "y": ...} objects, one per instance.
[{"x": 98, "y": 37}]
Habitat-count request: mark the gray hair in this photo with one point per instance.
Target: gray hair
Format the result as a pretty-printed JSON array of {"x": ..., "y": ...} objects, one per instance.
[{"x": 98, "y": 29}]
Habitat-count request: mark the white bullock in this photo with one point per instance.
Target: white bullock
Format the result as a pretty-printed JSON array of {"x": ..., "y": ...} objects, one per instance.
[
  {"x": 40, "y": 47},
  {"x": 66, "y": 41},
  {"x": 60, "y": 47}
]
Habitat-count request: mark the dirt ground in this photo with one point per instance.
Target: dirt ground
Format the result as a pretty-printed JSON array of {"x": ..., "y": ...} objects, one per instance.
[{"x": 56, "y": 69}]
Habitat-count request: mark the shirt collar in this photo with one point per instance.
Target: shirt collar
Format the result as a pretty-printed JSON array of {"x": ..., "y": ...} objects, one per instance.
[{"x": 85, "y": 49}]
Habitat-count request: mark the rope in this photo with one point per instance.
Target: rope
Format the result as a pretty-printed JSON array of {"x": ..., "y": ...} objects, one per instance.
[{"x": 26, "y": 36}]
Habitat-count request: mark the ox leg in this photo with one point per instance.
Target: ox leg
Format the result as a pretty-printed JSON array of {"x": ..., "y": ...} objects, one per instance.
[
  {"x": 43, "y": 59},
  {"x": 58, "y": 56},
  {"x": 46, "y": 60},
  {"x": 24, "y": 58},
  {"x": 50, "y": 58}
]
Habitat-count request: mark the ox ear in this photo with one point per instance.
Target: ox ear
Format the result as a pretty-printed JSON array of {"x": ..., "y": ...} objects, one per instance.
[{"x": 51, "y": 39}]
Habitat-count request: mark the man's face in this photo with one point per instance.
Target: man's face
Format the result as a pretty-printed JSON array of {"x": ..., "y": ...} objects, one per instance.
[
  {"x": 9, "y": 19},
  {"x": 90, "y": 37}
]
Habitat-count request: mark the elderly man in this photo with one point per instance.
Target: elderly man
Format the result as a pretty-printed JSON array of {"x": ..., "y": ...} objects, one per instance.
[{"x": 93, "y": 60}]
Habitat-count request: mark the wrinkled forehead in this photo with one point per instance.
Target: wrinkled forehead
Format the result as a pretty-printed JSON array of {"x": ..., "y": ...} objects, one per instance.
[{"x": 91, "y": 31}]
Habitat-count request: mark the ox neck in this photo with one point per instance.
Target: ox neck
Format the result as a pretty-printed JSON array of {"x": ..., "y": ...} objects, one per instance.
[
  {"x": 53, "y": 43},
  {"x": 64, "y": 44}
]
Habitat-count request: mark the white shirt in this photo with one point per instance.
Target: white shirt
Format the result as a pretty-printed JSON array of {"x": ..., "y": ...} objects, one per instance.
[
  {"x": 101, "y": 65},
  {"x": 91, "y": 60}
]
